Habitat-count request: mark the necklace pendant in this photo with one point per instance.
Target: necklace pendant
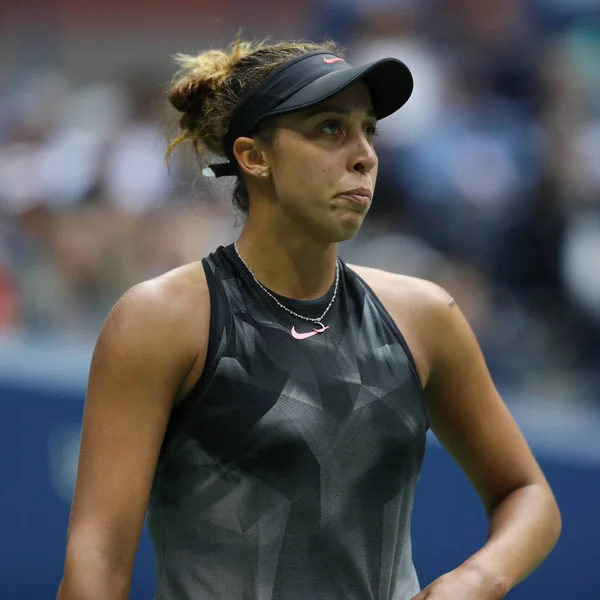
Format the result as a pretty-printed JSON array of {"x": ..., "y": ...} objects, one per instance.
[{"x": 303, "y": 336}]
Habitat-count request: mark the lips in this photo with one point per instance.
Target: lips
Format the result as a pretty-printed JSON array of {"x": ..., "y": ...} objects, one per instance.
[{"x": 360, "y": 195}]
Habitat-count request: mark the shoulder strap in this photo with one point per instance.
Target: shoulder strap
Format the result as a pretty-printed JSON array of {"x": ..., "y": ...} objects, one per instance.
[{"x": 218, "y": 337}]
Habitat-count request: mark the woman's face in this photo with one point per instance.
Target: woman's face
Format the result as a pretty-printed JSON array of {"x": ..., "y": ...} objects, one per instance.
[{"x": 323, "y": 165}]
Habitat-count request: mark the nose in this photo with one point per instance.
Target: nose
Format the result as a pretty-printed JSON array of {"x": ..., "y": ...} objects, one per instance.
[{"x": 363, "y": 158}]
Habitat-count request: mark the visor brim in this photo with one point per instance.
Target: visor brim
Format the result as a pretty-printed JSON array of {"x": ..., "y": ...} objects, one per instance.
[{"x": 389, "y": 80}]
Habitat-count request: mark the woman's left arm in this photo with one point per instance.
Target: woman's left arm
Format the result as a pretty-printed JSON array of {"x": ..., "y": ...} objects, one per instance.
[{"x": 472, "y": 422}]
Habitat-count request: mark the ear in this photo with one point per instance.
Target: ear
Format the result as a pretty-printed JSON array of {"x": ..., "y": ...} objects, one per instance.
[{"x": 249, "y": 156}]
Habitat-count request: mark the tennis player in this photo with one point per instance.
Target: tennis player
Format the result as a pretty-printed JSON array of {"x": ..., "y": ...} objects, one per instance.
[{"x": 266, "y": 407}]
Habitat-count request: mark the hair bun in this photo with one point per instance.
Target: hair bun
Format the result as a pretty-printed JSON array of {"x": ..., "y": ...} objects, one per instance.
[
  {"x": 189, "y": 95},
  {"x": 208, "y": 87},
  {"x": 199, "y": 79}
]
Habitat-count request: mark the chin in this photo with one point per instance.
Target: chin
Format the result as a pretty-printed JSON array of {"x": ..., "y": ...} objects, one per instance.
[
  {"x": 337, "y": 226},
  {"x": 348, "y": 227},
  {"x": 340, "y": 232}
]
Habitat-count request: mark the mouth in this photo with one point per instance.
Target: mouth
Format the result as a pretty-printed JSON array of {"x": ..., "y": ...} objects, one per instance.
[{"x": 360, "y": 195}]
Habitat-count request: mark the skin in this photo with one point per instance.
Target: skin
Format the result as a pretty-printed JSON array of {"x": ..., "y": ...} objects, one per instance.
[
  {"x": 153, "y": 346},
  {"x": 297, "y": 216}
]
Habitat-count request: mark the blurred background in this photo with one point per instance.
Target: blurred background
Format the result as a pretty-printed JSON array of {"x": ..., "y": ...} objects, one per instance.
[{"x": 489, "y": 185}]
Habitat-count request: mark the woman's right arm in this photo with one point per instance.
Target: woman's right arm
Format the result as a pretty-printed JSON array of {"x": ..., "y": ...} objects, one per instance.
[{"x": 149, "y": 347}]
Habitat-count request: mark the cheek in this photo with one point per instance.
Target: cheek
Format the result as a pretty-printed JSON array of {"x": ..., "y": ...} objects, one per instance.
[
  {"x": 308, "y": 172},
  {"x": 325, "y": 164},
  {"x": 304, "y": 170}
]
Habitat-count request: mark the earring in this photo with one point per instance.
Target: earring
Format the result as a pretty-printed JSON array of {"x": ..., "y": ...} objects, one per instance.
[{"x": 263, "y": 174}]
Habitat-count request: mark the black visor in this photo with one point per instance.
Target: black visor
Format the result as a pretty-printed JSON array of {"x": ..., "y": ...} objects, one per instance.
[{"x": 308, "y": 80}]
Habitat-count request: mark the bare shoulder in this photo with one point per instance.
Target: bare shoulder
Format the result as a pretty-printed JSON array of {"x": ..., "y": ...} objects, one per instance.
[
  {"x": 394, "y": 287},
  {"x": 164, "y": 318},
  {"x": 169, "y": 303},
  {"x": 419, "y": 307}
]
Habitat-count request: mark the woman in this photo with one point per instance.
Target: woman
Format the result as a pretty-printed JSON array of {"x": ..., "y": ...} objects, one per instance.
[{"x": 268, "y": 406}]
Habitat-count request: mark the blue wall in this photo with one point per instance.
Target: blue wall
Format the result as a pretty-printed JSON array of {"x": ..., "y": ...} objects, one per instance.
[{"x": 38, "y": 443}]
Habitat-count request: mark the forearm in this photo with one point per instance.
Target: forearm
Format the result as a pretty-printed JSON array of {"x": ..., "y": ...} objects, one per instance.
[{"x": 524, "y": 528}]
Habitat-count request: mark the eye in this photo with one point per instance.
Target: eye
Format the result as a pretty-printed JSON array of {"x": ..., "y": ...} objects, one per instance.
[
  {"x": 331, "y": 128},
  {"x": 371, "y": 131}
]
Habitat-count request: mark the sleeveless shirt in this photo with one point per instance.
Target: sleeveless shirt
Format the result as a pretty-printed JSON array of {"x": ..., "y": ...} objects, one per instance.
[{"x": 289, "y": 472}]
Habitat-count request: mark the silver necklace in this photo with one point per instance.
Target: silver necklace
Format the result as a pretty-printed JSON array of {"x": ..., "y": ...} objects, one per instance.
[{"x": 316, "y": 321}]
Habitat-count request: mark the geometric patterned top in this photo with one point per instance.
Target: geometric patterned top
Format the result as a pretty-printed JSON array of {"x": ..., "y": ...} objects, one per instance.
[{"x": 289, "y": 472}]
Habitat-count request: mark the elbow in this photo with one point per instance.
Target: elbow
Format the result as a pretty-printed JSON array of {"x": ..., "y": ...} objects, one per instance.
[
  {"x": 544, "y": 509},
  {"x": 89, "y": 578},
  {"x": 533, "y": 502},
  {"x": 555, "y": 519},
  {"x": 78, "y": 588},
  {"x": 549, "y": 512}
]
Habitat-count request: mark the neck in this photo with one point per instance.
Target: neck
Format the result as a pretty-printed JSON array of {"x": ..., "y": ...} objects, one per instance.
[{"x": 288, "y": 264}]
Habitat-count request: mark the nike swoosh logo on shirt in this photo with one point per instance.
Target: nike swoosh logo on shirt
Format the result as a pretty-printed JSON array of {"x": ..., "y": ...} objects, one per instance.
[
  {"x": 331, "y": 60},
  {"x": 303, "y": 336}
]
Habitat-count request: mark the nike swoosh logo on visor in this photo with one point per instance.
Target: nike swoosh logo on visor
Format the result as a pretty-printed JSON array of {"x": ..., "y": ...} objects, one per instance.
[
  {"x": 303, "y": 336},
  {"x": 332, "y": 60}
]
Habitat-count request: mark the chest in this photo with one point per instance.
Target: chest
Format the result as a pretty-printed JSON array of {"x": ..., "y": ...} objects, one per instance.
[{"x": 345, "y": 395}]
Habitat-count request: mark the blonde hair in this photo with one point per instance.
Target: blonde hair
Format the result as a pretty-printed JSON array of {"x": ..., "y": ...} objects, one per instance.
[{"x": 208, "y": 88}]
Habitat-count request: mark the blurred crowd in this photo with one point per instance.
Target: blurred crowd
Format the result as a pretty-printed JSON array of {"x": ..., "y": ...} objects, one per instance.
[{"x": 489, "y": 182}]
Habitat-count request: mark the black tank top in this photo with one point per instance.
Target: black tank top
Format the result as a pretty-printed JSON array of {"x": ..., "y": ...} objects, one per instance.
[{"x": 290, "y": 470}]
